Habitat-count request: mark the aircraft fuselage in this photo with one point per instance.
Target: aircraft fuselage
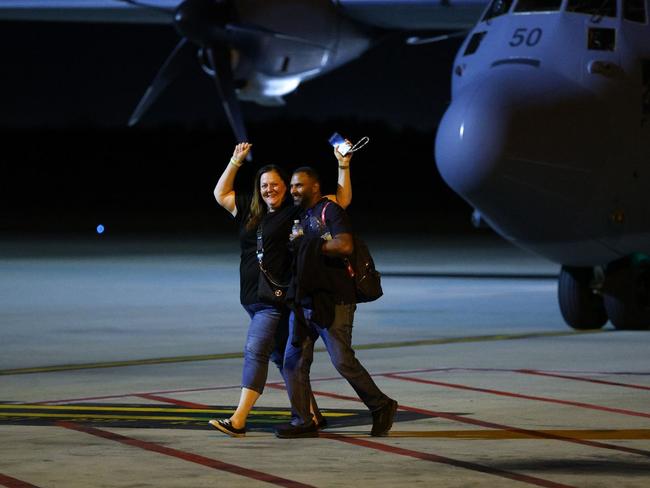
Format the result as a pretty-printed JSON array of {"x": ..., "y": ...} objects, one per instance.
[{"x": 548, "y": 134}]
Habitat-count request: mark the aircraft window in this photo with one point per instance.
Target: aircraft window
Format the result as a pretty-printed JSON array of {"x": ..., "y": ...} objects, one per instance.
[
  {"x": 601, "y": 39},
  {"x": 598, "y": 8},
  {"x": 474, "y": 43},
  {"x": 634, "y": 10},
  {"x": 538, "y": 5},
  {"x": 498, "y": 7}
]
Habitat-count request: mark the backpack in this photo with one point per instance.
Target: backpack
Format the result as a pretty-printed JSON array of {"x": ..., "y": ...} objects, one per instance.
[
  {"x": 367, "y": 279},
  {"x": 361, "y": 267}
]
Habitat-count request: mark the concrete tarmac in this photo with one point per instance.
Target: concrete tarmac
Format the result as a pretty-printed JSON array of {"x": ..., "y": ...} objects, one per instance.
[{"x": 116, "y": 353}]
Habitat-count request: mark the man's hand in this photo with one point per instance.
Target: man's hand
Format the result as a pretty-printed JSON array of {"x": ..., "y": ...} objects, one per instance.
[
  {"x": 341, "y": 245},
  {"x": 343, "y": 160},
  {"x": 239, "y": 154}
]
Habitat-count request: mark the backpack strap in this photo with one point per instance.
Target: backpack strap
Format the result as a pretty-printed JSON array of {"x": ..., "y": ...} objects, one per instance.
[{"x": 322, "y": 213}]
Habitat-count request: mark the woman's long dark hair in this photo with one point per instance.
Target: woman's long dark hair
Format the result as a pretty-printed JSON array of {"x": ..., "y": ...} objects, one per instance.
[{"x": 258, "y": 207}]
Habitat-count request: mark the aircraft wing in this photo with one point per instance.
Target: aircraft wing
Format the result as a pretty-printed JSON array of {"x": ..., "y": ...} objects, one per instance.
[
  {"x": 413, "y": 15},
  {"x": 112, "y": 11},
  {"x": 407, "y": 15}
]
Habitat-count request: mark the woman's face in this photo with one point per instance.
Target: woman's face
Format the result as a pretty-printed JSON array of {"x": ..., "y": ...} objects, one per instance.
[{"x": 272, "y": 189}]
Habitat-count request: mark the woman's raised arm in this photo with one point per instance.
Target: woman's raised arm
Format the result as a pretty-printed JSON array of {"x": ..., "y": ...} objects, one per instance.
[{"x": 224, "y": 192}]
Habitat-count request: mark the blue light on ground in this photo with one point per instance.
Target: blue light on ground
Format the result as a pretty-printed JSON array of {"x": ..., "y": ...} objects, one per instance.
[{"x": 100, "y": 229}]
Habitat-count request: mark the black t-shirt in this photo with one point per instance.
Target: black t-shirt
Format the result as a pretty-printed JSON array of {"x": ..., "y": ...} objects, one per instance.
[
  {"x": 276, "y": 227},
  {"x": 336, "y": 222}
]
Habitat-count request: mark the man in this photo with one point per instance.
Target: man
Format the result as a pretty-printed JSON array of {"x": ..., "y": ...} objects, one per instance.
[{"x": 324, "y": 305}]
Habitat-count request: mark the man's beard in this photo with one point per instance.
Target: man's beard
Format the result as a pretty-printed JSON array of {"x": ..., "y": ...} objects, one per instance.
[{"x": 302, "y": 201}]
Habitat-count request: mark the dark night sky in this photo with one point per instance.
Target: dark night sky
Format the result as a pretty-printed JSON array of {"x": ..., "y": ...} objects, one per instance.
[{"x": 67, "y": 91}]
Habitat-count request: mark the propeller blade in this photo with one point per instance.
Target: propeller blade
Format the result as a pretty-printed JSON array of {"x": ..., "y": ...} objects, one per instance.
[
  {"x": 416, "y": 41},
  {"x": 170, "y": 70},
  {"x": 259, "y": 31},
  {"x": 218, "y": 56}
]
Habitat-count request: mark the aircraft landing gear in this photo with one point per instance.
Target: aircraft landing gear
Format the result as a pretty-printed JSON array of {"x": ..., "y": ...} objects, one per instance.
[
  {"x": 627, "y": 296},
  {"x": 581, "y": 307}
]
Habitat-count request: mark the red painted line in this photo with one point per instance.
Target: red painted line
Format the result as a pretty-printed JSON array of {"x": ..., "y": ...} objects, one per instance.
[
  {"x": 173, "y": 401},
  {"x": 186, "y": 456},
  {"x": 313, "y": 380},
  {"x": 589, "y": 406},
  {"x": 422, "y": 455},
  {"x": 579, "y": 378},
  {"x": 532, "y": 480},
  {"x": 492, "y": 425},
  {"x": 126, "y": 395},
  {"x": 10, "y": 482}
]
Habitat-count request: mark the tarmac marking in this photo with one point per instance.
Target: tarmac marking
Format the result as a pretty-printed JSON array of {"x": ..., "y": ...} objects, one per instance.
[
  {"x": 610, "y": 434},
  {"x": 10, "y": 482},
  {"x": 493, "y": 425},
  {"x": 125, "y": 395},
  {"x": 239, "y": 355},
  {"x": 579, "y": 378},
  {"x": 144, "y": 416},
  {"x": 157, "y": 398},
  {"x": 531, "y": 480},
  {"x": 589, "y": 406},
  {"x": 506, "y": 370},
  {"x": 135, "y": 408},
  {"x": 428, "y": 370},
  {"x": 441, "y": 459},
  {"x": 186, "y": 456}
]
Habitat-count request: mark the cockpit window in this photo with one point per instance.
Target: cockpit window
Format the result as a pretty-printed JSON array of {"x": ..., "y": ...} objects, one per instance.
[
  {"x": 598, "y": 8},
  {"x": 498, "y": 7},
  {"x": 538, "y": 5},
  {"x": 634, "y": 10}
]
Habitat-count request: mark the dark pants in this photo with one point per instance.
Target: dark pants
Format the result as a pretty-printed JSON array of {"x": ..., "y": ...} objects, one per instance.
[
  {"x": 338, "y": 341},
  {"x": 267, "y": 337}
]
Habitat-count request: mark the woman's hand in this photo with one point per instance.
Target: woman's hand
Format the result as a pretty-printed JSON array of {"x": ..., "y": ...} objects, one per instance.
[{"x": 241, "y": 151}]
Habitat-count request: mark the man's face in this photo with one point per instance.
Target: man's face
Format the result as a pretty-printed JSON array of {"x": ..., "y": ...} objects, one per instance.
[{"x": 303, "y": 189}]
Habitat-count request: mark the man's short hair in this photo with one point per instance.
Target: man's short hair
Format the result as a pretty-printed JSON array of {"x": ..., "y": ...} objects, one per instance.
[{"x": 309, "y": 171}]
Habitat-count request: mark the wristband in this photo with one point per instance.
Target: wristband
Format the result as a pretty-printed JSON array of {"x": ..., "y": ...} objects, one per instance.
[
  {"x": 344, "y": 167},
  {"x": 233, "y": 161}
]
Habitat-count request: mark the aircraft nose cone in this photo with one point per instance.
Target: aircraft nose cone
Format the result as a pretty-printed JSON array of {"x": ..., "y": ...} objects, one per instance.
[
  {"x": 527, "y": 126},
  {"x": 471, "y": 139}
]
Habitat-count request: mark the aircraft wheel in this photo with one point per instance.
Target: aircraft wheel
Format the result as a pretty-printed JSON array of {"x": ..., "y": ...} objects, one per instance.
[
  {"x": 627, "y": 298},
  {"x": 581, "y": 308}
]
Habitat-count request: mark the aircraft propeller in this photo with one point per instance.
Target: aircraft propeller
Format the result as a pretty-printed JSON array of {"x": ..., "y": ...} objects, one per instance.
[
  {"x": 214, "y": 27},
  {"x": 417, "y": 40}
]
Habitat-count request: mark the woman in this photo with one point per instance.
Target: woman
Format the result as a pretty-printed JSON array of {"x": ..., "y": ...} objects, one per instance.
[{"x": 271, "y": 210}]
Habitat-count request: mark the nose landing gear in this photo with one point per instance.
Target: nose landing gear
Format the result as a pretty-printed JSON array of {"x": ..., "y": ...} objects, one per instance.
[
  {"x": 589, "y": 296},
  {"x": 581, "y": 307},
  {"x": 627, "y": 297}
]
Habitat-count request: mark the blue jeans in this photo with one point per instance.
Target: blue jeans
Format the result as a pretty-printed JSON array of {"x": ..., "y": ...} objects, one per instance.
[
  {"x": 338, "y": 341},
  {"x": 267, "y": 338}
]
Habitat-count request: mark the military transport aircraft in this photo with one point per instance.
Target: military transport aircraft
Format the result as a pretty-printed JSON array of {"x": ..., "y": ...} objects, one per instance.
[{"x": 546, "y": 136}]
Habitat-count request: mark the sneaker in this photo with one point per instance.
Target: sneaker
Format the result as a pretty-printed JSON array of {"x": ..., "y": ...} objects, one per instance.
[
  {"x": 226, "y": 427},
  {"x": 290, "y": 431},
  {"x": 382, "y": 419}
]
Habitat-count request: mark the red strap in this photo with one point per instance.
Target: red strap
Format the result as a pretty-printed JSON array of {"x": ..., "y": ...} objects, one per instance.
[{"x": 322, "y": 214}]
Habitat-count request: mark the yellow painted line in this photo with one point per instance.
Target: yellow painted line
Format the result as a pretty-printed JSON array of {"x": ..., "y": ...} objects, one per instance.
[
  {"x": 236, "y": 355},
  {"x": 589, "y": 434},
  {"x": 91, "y": 416},
  {"x": 93, "y": 408}
]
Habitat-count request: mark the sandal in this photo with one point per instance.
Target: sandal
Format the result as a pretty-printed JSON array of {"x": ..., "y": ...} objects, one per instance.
[{"x": 225, "y": 426}]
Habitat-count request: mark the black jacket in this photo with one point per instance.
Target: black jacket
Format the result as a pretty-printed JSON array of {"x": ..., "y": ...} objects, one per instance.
[{"x": 310, "y": 281}]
